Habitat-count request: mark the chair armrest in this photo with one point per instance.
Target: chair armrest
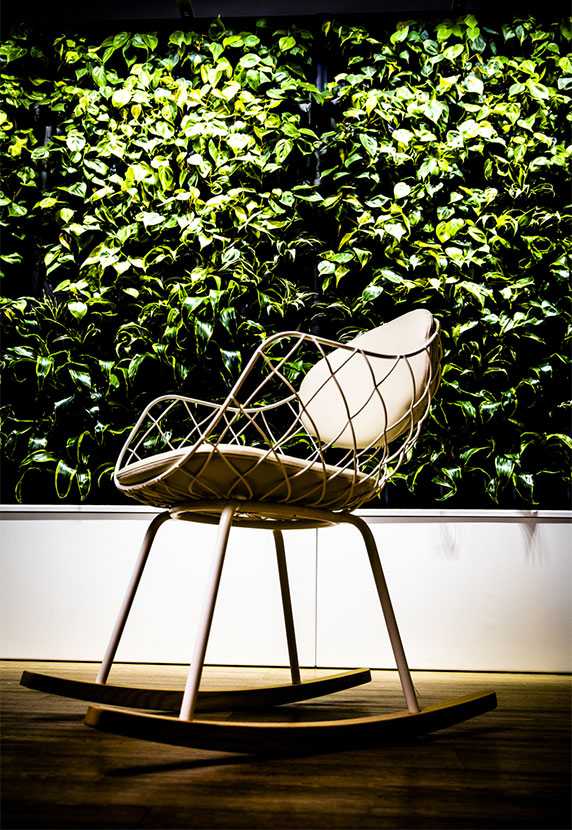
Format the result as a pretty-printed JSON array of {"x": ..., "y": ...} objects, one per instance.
[
  {"x": 186, "y": 409},
  {"x": 154, "y": 418}
]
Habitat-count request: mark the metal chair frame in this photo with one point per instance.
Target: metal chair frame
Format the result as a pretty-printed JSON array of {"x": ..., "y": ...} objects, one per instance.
[{"x": 239, "y": 420}]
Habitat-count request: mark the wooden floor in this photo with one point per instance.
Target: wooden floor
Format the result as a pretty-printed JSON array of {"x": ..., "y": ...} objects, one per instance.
[{"x": 508, "y": 768}]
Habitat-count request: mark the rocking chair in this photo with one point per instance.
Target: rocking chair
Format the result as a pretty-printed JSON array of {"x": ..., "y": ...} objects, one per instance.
[{"x": 296, "y": 444}]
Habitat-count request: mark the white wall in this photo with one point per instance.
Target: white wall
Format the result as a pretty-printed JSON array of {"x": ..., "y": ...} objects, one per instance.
[
  {"x": 467, "y": 595},
  {"x": 471, "y": 590}
]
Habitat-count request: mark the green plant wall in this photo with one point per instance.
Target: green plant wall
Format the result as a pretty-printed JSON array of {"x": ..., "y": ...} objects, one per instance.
[{"x": 168, "y": 200}]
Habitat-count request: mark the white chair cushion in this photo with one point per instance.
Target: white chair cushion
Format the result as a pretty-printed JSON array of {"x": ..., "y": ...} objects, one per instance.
[
  {"x": 353, "y": 393},
  {"x": 230, "y": 471}
]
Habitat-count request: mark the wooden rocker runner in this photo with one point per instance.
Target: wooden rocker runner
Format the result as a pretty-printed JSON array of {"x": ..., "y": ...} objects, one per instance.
[{"x": 277, "y": 454}]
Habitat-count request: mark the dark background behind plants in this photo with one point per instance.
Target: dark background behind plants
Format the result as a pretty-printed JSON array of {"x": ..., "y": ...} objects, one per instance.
[{"x": 170, "y": 198}]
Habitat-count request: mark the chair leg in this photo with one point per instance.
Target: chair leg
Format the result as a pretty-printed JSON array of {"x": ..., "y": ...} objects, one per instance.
[
  {"x": 388, "y": 613},
  {"x": 196, "y": 667},
  {"x": 287, "y": 606},
  {"x": 148, "y": 540}
]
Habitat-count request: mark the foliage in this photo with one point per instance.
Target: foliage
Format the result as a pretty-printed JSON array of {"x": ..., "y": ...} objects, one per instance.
[
  {"x": 185, "y": 204},
  {"x": 168, "y": 232},
  {"x": 447, "y": 186}
]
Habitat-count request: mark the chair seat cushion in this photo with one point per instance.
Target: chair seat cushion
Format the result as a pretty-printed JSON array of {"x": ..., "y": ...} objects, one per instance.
[{"x": 230, "y": 471}]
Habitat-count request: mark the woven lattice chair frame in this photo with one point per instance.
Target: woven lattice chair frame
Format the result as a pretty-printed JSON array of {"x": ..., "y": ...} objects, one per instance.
[
  {"x": 312, "y": 429},
  {"x": 327, "y": 439}
]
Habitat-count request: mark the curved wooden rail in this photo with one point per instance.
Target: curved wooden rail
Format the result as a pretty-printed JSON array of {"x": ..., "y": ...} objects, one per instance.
[
  {"x": 282, "y": 738},
  {"x": 169, "y": 700}
]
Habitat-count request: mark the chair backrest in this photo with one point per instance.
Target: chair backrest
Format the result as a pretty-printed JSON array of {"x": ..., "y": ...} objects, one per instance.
[{"x": 354, "y": 400}]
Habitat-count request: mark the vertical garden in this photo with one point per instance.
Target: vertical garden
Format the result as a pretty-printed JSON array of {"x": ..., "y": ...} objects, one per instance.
[{"x": 169, "y": 199}]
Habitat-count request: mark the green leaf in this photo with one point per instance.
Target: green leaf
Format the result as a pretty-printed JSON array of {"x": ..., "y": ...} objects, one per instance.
[
  {"x": 504, "y": 466},
  {"x": 562, "y": 437},
  {"x": 135, "y": 364},
  {"x": 233, "y": 41},
  {"x": 239, "y": 141},
  {"x": 121, "y": 97},
  {"x": 232, "y": 360},
  {"x": 453, "y": 52},
  {"x": 44, "y": 365},
  {"x": 229, "y": 91},
  {"x": 474, "y": 85},
  {"x": 434, "y": 110},
  {"x": 151, "y": 218},
  {"x": 99, "y": 75},
  {"x": 78, "y": 309},
  {"x": 46, "y": 202},
  {"x": 371, "y": 293},
  {"x": 402, "y": 136},
  {"x": 64, "y": 478},
  {"x": 537, "y": 90},
  {"x": 66, "y": 214},
  {"x": 326, "y": 267},
  {"x": 394, "y": 229},
  {"x": 401, "y": 190},
  {"x": 286, "y": 43},
  {"x": 369, "y": 143},
  {"x": 283, "y": 149},
  {"x": 80, "y": 377},
  {"x": 203, "y": 333},
  {"x": 447, "y": 230},
  {"x": 147, "y": 41},
  {"x": 249, "y": 60},
  {"x": 75, "y": 142},
  {"x": 40, "y": 457},
  {"x": 400, "y": 33}
]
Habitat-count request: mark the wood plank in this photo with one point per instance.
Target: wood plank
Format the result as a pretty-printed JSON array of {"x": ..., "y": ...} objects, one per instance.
[
  {"x": 211, "y": 700},
  {"x": 277, "y": 738}
]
